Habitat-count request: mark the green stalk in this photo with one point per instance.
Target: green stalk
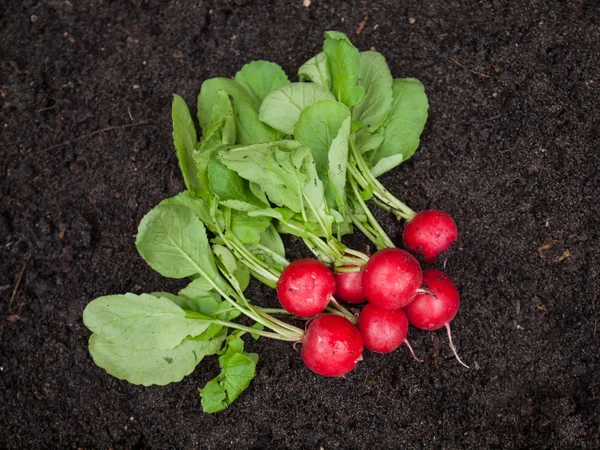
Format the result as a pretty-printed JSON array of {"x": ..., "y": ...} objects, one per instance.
[
  {"x": 382, "y": 239},
  {"x": 281, "y": 323},
  {"x": 242, "y": 253},
  {"x": 366, "y": 178},
  {"x": 266, "y": 334},
  {"x": 273, "y": 310},
  {"x": 341, "y": 311},
  {"x": 276, "y": 256}
]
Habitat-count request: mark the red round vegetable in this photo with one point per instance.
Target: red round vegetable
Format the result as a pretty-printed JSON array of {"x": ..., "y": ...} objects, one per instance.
[
  {"x": 305, "y": 287},
  {"x": 332, "y": 346},
  {"x": 348, "y": 287},
  {"x": 430, "y": 233},
  {"x": 435, "y": 305},
  {"x": 391, "y": 278},
  {"x": 382, "y": 330}
]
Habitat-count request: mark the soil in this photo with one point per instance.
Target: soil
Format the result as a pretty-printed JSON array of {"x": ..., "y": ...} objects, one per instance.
[{"x": 511, "y": 149}]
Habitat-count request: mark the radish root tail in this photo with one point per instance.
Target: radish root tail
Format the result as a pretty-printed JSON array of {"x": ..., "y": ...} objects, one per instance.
[
  {"x": 453, "y": 347},
  {"x": 412, "y": 352}
]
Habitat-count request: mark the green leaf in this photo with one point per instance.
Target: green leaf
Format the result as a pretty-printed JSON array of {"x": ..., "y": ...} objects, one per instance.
[
  {"x": 259, "y": 193},
  {"x": 404, "y": 125},
  {"x": 173, "y": 241},
  {"x": 197, "y": 288},
  {"x": 267, "y": 212},
  {"x": 249, "y": 129},
  {"x": 174, "y": 298},
  {"x": 271, "y": 251},
  {"x": 314, "y": 197},
  {"x": 152, "y": 366},
  {"x": 195, "y": 204},
  {"x": 184, "y": 138},
  {"x": 366, "y": 141},
  {"x": 214, "y": 398},
  {"x": 367, "y": 193},
  {"x": 233, "y": 191},
  {"x": 315, "y": 70},
  {"x": 238, "y": 368},
  {"x": 248, "y": 228},
  {"x": 261, "y": 77},
  {"x": 276, "y": 171},
  {"x": 376, "y": 79},
  {"x": 271, "y": 239},
  {"x": 140, "y": 322},
  {"x": 240, "y": 205},
  {"x": 225, "y": 183},
  {"x": 232, "y": 266},
  {"x": 325, "y": 127},
  {"x": 386, "y": 164},
  {"x": 281, "y": 108},
  {"x": 343, "y": 65},
  {"x": 257, "y": 326},
  {"x": 211, "y": 305},
  {"x": 224, "y": 117}
]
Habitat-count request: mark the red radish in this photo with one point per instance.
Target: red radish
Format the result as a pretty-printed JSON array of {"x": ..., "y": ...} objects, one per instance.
[
  {"x": 305, "y": 287},
  {"x": 430, "y": 233},
  {"x": 383, "y": 330},
  {"x": 348, "y": 286},
  {"x": 391, "y": 278},
  {"x": 332, "y": 346},
  {"x": 435, "y": 305}
]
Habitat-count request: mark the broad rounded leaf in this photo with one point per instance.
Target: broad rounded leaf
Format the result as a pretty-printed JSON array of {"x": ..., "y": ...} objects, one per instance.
[
  {"x": 315, "y": 70},
  {"x": 404, "y": 125},
  {"x": 281, "y": 108},
  {"x": 324, "y": 127},
  {"x": 343, "y": 65},
  {"x": 261, "y": 77},
  {"x": 173, "y": 241},
  {"x": 141, "y": 322},
  {"x": 377, "y": 80},
  {"x": 152, "y": 366},
  {"x": 249, "y": 129}
]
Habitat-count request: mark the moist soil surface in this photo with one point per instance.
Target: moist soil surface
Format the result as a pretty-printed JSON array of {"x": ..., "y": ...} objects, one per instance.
[{"x": 511, "y": 150}]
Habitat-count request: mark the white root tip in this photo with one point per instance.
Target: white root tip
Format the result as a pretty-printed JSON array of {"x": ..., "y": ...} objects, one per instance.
[
  {"x": 412, "y": 351},
  {"x": 453, "y": 347}
]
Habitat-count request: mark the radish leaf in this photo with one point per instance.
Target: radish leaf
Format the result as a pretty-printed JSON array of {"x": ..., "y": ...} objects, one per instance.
[
  {"x": 377, "y": 81},
  {"x": 141, "y": 322},
  {"x": 281, "y": 108},
  {"x": 343, "y": 65},
  {"x": 249, "y": 129},
  {"x": 324, "y": 127},
  {"x": 403, "y": 127},
  {"x": 152, "y": 366},
  {"x": 173, "y": 241},
  {"x": 238, "y": 368},
  {"x": 184, "y": 139},
  {"x": 261, "y": 77},
  {"x": 315, "y": 70}
]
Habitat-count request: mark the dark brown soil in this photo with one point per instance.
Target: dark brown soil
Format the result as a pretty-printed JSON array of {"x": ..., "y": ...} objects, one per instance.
[{"x": 512, "y": 150}]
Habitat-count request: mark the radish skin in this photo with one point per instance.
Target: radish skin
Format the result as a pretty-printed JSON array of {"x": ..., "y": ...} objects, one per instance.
[
  {"x": 391, "y": 278},
  {"x": 305, "y": 287},
  {"x": 430, "y": 233},
  {"x": 332, "y": 346},
  {"x": 348, "y": 286},
  {"x": 436, "y": 305}
]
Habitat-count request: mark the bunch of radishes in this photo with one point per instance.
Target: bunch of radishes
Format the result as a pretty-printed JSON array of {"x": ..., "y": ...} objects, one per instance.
[{"x": 398, "y": 292}]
